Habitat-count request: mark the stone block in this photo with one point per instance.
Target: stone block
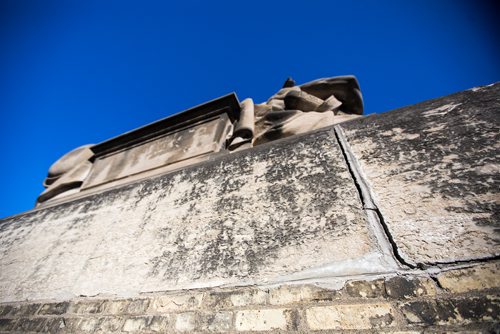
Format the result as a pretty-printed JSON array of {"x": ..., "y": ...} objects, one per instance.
[
  {"x": 87, "y": 324},
  {"x": 54, "y": 325},
  {"x": 278, "y": 210},
  {"x": 248, "y": 297},
  {"x": 261, "y": 320},
  {"x": 5, "y": 309},
  {"x": 164, "y": 145},
  {"x": 185, "y": 322},
  {"x": 366, "y": 289},
  {"x": 452, "y": 311},
  {"x": 298, "y": 100},
  {"x": 172, "y": 303},
  {"x": 475, "y": 278},
  {"x": 86, "y": 307},
  {"x": 30, "y": 324},
  {"x": 344, "y": 317},
  {"x": 53, "y": 308},
  {"x": 109, "y": 324},
  {"x": 138, "y": 306},
  {"x": 234, "y": 298},
  {"x": 289, "y": 294},
  {"x": 136, "y": 324},
  {"x": 406, "y": 287},
  {"x": 7, "y": 324},
  {"x": 160, "y": 324},
  {"x": 217, "y": 322},
  {"x": 19, "y": 310},
  {"x": 433, "y": 168},
  {"x": 115, "y": 306}
]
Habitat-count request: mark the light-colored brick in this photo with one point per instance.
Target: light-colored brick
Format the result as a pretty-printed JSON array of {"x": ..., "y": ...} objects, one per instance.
[
  {"x": 185, "y": 322},
  {"x": 172, "y": 303},
  {"x": 289, "y": 294},
  {"x": 92, "y": 306},
  {"x": 135, "y": 324},
  {"x": 217, "y": 322},
  {"x": 363, "y": 316},
  {"x": 475, "y": 278},
  {"x": 261, "y": 320},
  {"x": 399, "y": 287},
  {"x": 115, "y": 306},
  {"x": 248, "y": 297},
  {"x": 160, "y": 324},
  {"x": 109, "y": 324},
  {"x": 88, "y": 324}
]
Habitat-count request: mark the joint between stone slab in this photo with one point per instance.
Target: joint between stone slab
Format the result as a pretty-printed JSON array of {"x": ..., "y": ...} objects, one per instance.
[
  {"x": 375, "y": 217},
  {"x": 446, "y": 264}
]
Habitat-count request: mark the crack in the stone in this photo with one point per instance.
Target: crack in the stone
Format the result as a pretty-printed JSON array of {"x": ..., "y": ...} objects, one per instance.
[
  {"x": 365, "y": 196},
  {"x": 459, "y": 262}
]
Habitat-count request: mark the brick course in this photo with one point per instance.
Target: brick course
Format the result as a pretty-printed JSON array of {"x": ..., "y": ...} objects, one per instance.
[{"x": 406, "y": 303}]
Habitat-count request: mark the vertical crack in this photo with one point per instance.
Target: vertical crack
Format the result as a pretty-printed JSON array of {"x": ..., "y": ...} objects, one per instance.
[{"x": 373, "y": 213}]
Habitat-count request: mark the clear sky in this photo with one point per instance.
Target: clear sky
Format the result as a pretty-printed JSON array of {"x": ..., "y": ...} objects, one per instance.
[{"x": 78, "y": 72}]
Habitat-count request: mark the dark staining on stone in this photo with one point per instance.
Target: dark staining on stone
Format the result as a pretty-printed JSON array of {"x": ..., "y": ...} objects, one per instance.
[
  {"x": 400, "y": 287},
  {"x": 30, "y": 324},
  {"x": 285, "y": 180},
  {"x": 450, "y": 140},
  {"x": 54, "y": 308},
  {"x": 293, "y": 320},
  {"x": 381, "y": 321},
  {"x": 7, "y": 324},
  {"x": 452, "y": 310}
]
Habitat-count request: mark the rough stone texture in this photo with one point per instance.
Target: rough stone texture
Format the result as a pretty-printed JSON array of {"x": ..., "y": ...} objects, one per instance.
[
  {"x": 350, "y": 316},
  {"x": 283, "y": 211},
  {"x": 261, "y": 320},
  {"x": 474, "y": 278},
  {"x": 276, "y": 239},
  {"x": 434, "y": 170},
  {"x": 359, "y": 306},
  {"x": 192, "y": 143}
]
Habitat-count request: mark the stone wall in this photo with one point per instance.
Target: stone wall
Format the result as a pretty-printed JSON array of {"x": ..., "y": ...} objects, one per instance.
[
  {"x": 385, "y": 223},
  {"x": 455, "y": 300}
]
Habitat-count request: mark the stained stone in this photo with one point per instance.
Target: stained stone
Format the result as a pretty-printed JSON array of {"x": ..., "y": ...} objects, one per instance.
[
  {"x": 345, "y": 89},
  {"x": 434, "y": 170},
  {"x": 290, "y": 209},
  {"x": 330, "y": 103},
  {"x": 298, "y": 100}
]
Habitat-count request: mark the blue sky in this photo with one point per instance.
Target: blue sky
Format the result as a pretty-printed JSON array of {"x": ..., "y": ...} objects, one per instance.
[{"x": 78, "y": 72}]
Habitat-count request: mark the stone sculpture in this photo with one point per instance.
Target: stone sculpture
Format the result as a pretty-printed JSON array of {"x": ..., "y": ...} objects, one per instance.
[
  {"x": 299, "y": 109},
  {"x": 67, "y": 174},
  {"x": 194, "y": 134}
]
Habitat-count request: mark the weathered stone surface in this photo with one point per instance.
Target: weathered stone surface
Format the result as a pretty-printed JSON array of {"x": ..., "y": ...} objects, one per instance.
[
  {"x": 479, "y": 277},
  {"x": 406, "y": 287},
  {"x": 298, "y": 100},
  {"x": 453, "y": 311},
  {"x": 54, "y": 308},
  {"x": 366, "y": 289},
  {"x": 344, "y": 88},
  {"x": 434, "y": 170},
  {"x": 217, "y": 322},
  {"x": 261, "y": 320},
  {"x": 330, "y": 103},
  {"x": 191, "y": 143},
  {"x": 185, "y": 322},
  {"x": 350, "y": 317},
  {"x": 284, "y": 211}
]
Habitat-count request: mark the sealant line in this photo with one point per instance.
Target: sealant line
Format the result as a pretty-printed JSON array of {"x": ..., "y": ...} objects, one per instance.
[{"x": 369, "y": 206}]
